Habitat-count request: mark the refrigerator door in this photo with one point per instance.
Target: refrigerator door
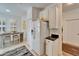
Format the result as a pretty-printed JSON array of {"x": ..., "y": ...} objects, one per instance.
[
  {"x": 36, "y": 38},
  {"x": 40, "y": 33}
]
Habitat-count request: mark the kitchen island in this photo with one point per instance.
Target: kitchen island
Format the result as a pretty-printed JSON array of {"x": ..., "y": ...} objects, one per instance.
[{"x": 9, "y": 39}]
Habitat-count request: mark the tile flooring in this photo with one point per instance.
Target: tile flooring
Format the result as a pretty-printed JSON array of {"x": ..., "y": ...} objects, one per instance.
[{"x": 20, "y": 51}]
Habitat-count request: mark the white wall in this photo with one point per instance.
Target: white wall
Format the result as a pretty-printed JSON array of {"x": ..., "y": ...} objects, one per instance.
[
  {"x": 71, "y": 14},
  {"x": 71, "y": 27},
  {"x": 29, "y": 13}
]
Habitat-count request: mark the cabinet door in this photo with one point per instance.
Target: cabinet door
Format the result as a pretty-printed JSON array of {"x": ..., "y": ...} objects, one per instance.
[
  {"x": 53, "y": 17},
  {"x": 49, "y": 47},
  {"x": 44, "y": 15},
  {"x": 55, "y": 47}
]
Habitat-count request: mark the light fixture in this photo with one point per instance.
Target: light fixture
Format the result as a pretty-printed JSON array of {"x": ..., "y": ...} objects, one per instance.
[{"x": 7, "y": 10}]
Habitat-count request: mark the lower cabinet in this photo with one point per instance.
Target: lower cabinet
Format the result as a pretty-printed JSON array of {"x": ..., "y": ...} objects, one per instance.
[
  {"x": 49, "y": 47},
  {"x": 52, "y": 48}
]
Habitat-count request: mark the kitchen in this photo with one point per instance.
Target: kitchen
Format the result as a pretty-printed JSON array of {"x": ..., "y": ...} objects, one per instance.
[
  {"x": 46, "y": 25},
  {"x": 32, "y": 27},
  {"x": 42, "y": 29}
]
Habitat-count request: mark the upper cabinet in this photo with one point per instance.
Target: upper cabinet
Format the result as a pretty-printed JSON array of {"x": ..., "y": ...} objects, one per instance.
[
  {"x": 54, "y": 16},
  {"x": 44, "y": 14},
  {"x": 51, "y": 14}
]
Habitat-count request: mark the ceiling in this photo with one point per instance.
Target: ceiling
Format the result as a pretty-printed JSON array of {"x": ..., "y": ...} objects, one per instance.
[
  {"x": 18, "y": 9},
  {"x": 67, "y": 7}
]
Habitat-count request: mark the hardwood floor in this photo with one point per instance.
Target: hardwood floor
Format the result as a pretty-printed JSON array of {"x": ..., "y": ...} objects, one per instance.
[
  {"x": 66, "y": 54},
  {"x": 70, "y": 49}
]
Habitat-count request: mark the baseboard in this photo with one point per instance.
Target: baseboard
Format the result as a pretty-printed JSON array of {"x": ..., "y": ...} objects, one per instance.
[{"x": 31, "y": 50}]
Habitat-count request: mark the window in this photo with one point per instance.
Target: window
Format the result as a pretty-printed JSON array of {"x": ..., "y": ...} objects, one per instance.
[
  {"x": 3, "y": 23},
  {"x": 4, "y": 29},
  {"x": 2, "y": 26}
]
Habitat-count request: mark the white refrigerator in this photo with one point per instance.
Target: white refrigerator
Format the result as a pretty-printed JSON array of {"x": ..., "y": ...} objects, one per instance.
[{"x": 40, "y": 32}]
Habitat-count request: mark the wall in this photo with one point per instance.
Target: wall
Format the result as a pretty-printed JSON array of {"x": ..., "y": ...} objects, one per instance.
[
  {"x": 29, "y": 13},
  {"x": 70, "y": 27},
  {"x": 8, "y": 21}
]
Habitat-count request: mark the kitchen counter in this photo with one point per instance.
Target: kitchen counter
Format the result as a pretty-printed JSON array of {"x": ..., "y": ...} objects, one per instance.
[
  {"x": 10, "y": 39},
  {"x": 50, "y": 38},
  {"x": 10, "y": 33}
]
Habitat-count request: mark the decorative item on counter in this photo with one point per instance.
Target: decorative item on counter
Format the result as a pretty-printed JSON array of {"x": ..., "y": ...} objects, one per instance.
[{"x": 43, "y": 19}]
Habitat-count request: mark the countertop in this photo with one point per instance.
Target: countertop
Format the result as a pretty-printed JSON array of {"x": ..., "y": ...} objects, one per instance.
[
  {"x": 10, "y": 33},
  {"x": 50, "y": 38}
]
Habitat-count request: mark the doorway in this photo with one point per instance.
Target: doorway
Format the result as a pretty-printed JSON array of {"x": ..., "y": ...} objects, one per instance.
[{"x": 70, "y": 45}]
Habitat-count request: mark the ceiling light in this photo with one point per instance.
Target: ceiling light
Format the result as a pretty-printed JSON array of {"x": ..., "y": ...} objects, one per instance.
[{"x": 7, "y": 10}]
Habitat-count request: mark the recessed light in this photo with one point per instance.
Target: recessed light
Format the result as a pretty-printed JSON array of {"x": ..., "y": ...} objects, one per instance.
[{"x": 7, "y": 10}]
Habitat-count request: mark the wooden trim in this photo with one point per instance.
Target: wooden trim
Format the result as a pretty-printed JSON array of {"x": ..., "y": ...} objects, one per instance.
[{"x": 71, "y": 49}]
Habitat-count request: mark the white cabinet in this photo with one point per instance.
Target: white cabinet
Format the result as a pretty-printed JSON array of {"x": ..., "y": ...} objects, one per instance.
[
  {"x": 52, "y": 47},
  {"x": 49, "y": 47},
  {"x": 44, "y": 15},
  {"x": 53, "y": 17},
  {"x": 50, "y": 14}
]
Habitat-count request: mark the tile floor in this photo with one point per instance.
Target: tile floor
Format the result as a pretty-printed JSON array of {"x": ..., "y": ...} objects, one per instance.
[{"x": 20, "y": 51}]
